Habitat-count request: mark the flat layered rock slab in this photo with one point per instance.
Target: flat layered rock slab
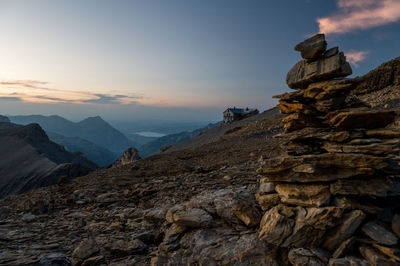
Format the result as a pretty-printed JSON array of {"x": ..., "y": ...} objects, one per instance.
[
  {"x": 320, "y": 167},
  {"x": 313, "y": 47},
  {"x": 377, "y": 187},
  {"x": 379, "y": 234},
  {"x": 304, "y": 195},
  {"x": 360, "y": 118},
  {"x": 303, "y": 73}
]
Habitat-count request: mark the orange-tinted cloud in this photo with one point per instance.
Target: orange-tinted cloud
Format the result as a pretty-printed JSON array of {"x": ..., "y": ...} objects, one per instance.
[
  {"x": 38, "y": 92},
  {"x": 360, "y": 15},
  {"x": 354, "y": 57}
]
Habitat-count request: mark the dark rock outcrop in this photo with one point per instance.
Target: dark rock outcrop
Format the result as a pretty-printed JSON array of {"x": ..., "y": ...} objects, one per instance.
[{"x": 129, "y": 156}]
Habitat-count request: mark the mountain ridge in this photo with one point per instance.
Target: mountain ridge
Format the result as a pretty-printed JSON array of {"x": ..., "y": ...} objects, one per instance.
[{"x": 93, "y": 129}]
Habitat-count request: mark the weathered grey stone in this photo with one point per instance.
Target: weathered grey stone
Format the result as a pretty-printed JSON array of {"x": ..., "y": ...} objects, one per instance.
[
  {"x": 304, "y": 73},
  {"x": 348, "y": 225},
  {"x": 235, "y": 207},
  {"x": 266, "y": 187},
  {"x": 379, "y": 234},
  {"x": 304, "y": 195},
  {"x": 313, "y": 47},
  {"x": 29, "y": 217}
]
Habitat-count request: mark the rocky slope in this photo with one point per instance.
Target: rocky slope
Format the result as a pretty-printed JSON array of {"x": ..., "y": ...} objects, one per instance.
[
  {"x": 164, "y": 143},
  {"x": 30, "y": 160},
  {"x": 325, "y": 192}
]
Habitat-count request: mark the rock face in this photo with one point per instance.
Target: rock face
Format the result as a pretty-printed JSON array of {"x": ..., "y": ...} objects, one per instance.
[
  {"x": 337, "y": 189},
  {"x": 313, "y": 47},
  {"x": 129, "y": 156}
]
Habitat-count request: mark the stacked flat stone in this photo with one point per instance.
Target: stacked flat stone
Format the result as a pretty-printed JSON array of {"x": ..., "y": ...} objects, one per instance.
[{"x": 334, "y": 198}]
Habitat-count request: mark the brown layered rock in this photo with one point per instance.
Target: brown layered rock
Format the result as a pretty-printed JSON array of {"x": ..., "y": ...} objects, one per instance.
[
  {"x": 304, "y": 195},
  {"x": 321, "y": 167},
  {"x": 360, "y": 118}
]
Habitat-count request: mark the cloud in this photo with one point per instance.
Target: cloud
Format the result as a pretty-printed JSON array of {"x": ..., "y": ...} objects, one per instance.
[
  {"x": 355, "y": 15},
  {"x": 10, "y": 98},
  {"x": 110, "y": 99},
  {"x": 39, "y": 92},
  {"x": 354, "y": 57}
]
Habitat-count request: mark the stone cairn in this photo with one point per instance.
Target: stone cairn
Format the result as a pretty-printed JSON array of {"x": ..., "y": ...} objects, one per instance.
[{"x": 334, "y": 197}]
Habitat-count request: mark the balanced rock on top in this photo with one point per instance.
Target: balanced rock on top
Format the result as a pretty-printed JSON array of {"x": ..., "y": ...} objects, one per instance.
[{"x": 333, "y": 64}]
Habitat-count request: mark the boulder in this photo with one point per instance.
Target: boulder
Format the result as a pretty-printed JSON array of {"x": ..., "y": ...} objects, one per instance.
[
  {"x": 85, "y": 249},
  {"x": 219, "y": 247},
  {"x": 277, "y": 224},
  {"x": 304, "y": 195},
  {"x": 379, "y": 234},
  {"x": 234, "y": 206},
  {"x": 193, "y": 217},
  {"x": 267, "y": 201},
  {"x": 313, "y": 47},
  {"x": 266, "y": 187},
  {"x": 304, "y": 73}
]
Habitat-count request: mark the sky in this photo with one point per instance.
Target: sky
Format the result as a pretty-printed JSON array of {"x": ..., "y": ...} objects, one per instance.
[{"x": 174, "y": 60}]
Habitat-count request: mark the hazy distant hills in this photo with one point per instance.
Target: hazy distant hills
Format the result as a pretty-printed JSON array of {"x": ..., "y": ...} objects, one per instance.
[
  {"x": 155, "y": 145},
  {"x": 4, "y": 119},
  {"x": 92, "y": 129},
  {"x": 28, "y": 159},
  {"x": 93, "y": 152}
]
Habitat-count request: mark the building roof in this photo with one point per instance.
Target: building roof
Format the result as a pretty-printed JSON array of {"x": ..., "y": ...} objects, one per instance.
[{"x": 241, "y": 111}]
